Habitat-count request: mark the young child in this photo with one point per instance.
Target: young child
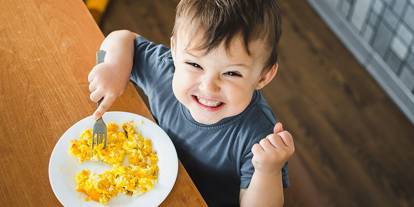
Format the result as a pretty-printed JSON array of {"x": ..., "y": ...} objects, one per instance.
[{"x": 204, "y": 92}]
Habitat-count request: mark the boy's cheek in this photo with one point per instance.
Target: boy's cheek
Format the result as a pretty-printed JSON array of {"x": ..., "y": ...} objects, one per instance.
[
  {"x": 180, "y": 78},
  {"x": 184, "y": 77}
]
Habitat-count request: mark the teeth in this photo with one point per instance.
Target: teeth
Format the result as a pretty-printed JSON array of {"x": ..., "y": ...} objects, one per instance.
[{"x": 209, "y": 103}]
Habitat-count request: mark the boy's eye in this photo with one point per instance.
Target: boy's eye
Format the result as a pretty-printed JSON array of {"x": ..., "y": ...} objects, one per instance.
[
  {"x": 194, "y": 65},
  {"x": 233, "y": 73}
]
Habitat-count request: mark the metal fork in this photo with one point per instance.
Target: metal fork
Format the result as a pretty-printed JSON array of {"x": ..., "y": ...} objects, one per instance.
[{"x": 99, "y": 131}]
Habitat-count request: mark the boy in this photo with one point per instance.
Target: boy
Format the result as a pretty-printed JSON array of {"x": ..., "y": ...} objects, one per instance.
[{"x": 204, "y": 93}]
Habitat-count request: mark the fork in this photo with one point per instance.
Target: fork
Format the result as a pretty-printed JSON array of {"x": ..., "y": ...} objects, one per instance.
[{"x": 99, "y": 132}]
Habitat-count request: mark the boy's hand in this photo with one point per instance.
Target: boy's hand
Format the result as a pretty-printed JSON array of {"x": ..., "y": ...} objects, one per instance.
[
  {"x": 271, "y": 153},
  {"x": 107, "y": 83}
]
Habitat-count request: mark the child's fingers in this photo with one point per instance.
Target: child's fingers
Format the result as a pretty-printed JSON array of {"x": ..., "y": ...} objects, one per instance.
[
  {"x": 276, "y": 140},
  {"x": 96, "y": 95},
  {"x": 91, "y": 74},
  {"x": 266, "y": 145},
  {"x": 99, "y": 112},
  {"x": 92, "y": 86},
  {"x": 104, "y": 106},
  {"x": 287, "y": 138},
  {"x": 257, "y": 149},
  {"x": 278, "y": 128}
]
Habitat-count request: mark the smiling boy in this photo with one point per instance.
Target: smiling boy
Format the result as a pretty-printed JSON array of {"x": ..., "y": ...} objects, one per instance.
[{"x": 204, "y": 92}]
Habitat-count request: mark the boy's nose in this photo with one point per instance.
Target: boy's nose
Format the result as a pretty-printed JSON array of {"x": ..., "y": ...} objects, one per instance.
[{"x": 210, "y": 84}]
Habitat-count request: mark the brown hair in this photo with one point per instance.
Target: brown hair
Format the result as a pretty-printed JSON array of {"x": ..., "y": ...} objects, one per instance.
[{"x": 224, "y": 19}]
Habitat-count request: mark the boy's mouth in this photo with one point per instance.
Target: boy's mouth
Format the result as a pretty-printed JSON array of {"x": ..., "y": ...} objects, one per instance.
[{"x": 208, "y": 104}]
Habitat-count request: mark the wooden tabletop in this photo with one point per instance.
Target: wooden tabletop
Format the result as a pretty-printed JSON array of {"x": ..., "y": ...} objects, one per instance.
[{"x": 47, "y": 49}]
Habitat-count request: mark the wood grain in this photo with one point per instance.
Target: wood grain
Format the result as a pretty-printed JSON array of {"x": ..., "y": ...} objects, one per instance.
[
  {"x": 46, "y": 51},
  {"x": 353, "y": 145}
]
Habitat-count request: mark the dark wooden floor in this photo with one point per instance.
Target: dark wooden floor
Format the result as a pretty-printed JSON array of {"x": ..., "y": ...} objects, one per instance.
[{"x": 353, "y": 145}]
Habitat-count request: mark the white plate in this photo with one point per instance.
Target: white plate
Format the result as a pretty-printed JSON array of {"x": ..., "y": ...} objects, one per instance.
[{"x": 63, "y": 167}]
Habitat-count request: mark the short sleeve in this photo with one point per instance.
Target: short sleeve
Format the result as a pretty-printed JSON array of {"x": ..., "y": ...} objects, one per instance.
[
  {"x": 148, "y": 64},
  {"x": 246, "y": 170}
]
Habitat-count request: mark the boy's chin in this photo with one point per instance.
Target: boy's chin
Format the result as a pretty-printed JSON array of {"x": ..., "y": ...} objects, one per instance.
[{"x": 205, "y": 119}]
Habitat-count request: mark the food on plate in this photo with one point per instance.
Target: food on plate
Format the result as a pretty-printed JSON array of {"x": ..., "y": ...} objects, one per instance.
[{"x": 137, "y": 177}]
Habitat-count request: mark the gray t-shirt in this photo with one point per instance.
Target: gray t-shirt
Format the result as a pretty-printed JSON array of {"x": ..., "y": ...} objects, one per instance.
[{"x": 218, "y": 156}]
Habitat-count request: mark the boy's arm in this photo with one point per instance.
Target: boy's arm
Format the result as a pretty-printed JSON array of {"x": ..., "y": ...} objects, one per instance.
[
  {"x": 264, "y": 190},
  {"x": 269, "y": 155},
  {"x": 109, "y": 79}
]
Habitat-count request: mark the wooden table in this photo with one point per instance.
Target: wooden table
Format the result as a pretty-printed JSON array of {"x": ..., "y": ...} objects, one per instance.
[{"x": 47, "y": 48}]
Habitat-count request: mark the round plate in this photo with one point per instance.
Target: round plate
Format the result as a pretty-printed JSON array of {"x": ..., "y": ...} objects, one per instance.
[{"x": 63, "y": 167}]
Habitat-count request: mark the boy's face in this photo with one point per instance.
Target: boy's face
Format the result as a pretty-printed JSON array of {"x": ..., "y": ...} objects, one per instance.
[{"x": 221, "y": 83}]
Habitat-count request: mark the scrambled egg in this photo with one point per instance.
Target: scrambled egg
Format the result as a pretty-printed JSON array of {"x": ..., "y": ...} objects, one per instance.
[{"x": 138, "y": 177}]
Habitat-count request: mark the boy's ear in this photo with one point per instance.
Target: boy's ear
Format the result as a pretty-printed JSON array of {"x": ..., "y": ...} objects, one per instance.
[{"x": 267, "y": 77}]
